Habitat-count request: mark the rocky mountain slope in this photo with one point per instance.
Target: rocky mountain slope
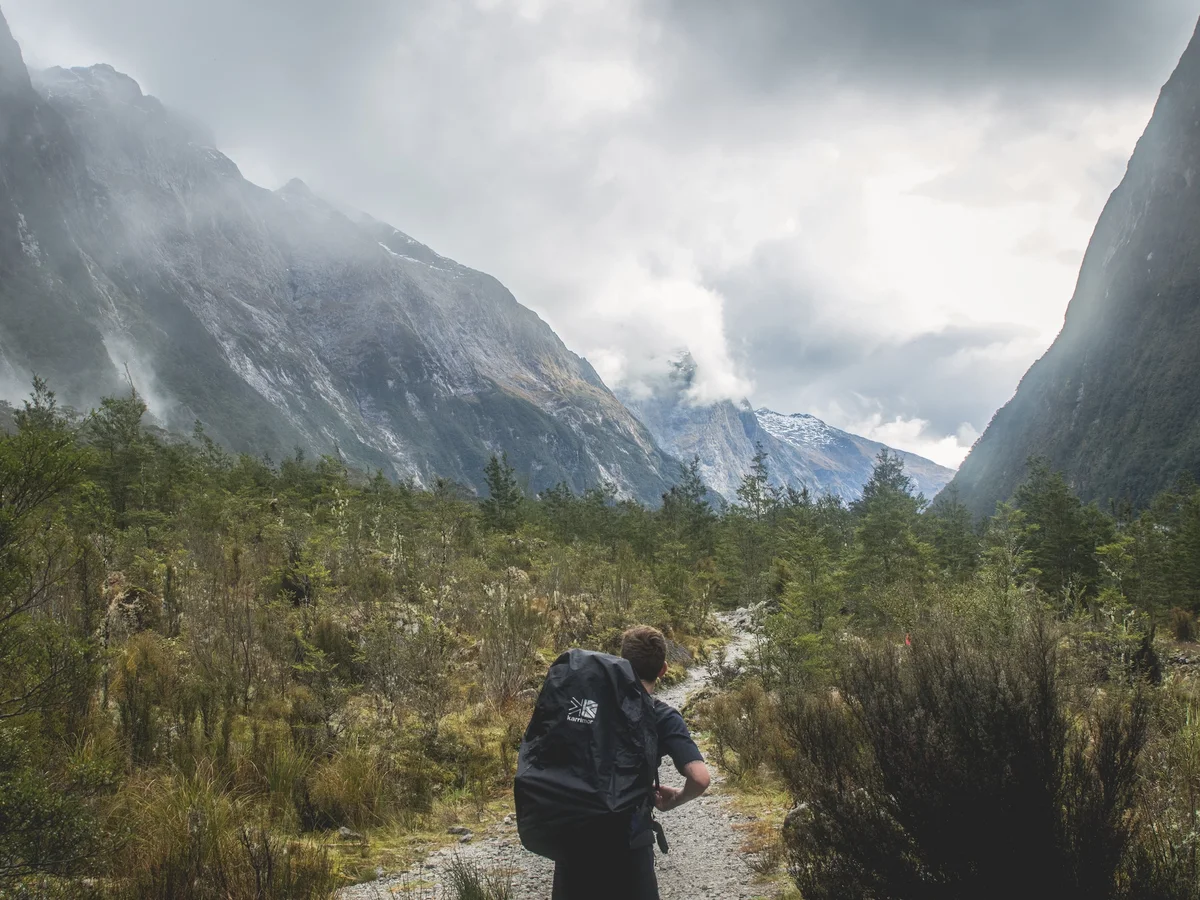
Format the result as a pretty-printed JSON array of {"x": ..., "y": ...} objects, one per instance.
[
  {"x": 803, "y": 451},
  {"x": 131, "y": 247},
  {"x": 1115, "y": 402}
]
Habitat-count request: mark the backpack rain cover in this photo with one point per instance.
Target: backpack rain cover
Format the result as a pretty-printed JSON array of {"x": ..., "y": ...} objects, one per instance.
[{"x": 590, "y": 754}]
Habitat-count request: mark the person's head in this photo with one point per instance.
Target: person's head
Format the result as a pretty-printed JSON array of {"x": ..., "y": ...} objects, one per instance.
[{"x": 646, "y": 650}]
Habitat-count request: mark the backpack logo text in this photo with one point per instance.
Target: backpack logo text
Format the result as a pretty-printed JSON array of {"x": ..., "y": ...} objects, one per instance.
[{"x": 582, "y": 712}]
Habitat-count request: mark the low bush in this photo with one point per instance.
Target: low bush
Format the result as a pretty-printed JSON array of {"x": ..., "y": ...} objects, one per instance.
[
  {"x": 355, "y": 788},
  {"x": 955, "y": 769},
  {"x": 512, "y": 630},
  {"x": 1169, "y": 853},
  {"x": 742, "y": 725},
  {"x": 1183, "y": 625}
]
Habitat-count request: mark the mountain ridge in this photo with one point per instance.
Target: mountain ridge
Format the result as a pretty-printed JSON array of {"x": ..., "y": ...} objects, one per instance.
[
  {"x": 129, "y": 242},
  {"x": 803, "y": 451},
  {"x": 1112, "y": 404}
]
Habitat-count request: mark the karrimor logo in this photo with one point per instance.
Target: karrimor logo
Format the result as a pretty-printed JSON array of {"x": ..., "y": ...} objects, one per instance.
[{"x": 582, "y": 712}]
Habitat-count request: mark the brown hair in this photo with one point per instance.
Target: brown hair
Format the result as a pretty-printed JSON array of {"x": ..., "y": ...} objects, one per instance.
[{"x": 646, "y": 650}]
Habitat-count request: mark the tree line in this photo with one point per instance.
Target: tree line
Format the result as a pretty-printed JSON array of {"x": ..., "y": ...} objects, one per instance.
[{"x": 213, "y": 662}]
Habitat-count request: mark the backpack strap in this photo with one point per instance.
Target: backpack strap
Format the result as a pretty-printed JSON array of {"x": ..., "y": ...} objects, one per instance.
[{"x": 660, "y": 836}]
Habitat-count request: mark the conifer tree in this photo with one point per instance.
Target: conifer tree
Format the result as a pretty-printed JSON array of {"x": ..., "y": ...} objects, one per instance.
[
  {"x": 1062, "y": 534},
  {"x": 503, "y": 507},
  {"x": 755, "y": 492},
  {"x": 955, "y": 541},
  {"x": 116, "y": 431},
  {"x": 686, "y": 510},
  {"x": 888, "y": 552}
]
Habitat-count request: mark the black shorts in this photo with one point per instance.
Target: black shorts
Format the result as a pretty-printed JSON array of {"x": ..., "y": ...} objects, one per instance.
[{"x": 606, "y": 874}]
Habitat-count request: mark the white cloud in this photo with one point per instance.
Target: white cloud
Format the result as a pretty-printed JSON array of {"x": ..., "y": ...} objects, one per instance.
[
  {"x": 913, "y": 435},
  {"x": 624, "y": 180}
]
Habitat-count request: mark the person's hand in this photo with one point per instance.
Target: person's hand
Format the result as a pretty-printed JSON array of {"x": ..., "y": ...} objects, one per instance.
[{"x": 665, "y": 798}]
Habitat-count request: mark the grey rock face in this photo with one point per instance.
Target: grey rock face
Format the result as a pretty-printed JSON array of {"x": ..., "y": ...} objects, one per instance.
[
  {"x": 14, "y": 77},
  {"x": 803, "y": 451},
  {"x": 128, "y": 242},
  {"x": 1113, "y": 403}
]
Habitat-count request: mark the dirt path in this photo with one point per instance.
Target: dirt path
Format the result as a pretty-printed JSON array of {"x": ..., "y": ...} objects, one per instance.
[{"x": 705, "y": 858}]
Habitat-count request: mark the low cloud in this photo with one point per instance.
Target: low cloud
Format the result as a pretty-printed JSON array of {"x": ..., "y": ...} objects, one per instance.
[
  {"x": 138, "y": 372},
  {"x": 837, "y": 205}
]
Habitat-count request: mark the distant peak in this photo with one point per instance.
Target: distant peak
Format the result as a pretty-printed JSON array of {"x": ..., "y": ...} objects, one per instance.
[
  {"x": 98, "y": 79},
  {"x": 798, "y": 429},
  {"x": 764, "y": 411},
  {"x": 297, "y": 191},
  {"x": 296, "y": 188},
  {"x": 683, "y": 366}
]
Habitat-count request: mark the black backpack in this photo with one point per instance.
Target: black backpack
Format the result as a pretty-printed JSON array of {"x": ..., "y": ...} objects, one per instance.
[{"x": 589, "y": 759}]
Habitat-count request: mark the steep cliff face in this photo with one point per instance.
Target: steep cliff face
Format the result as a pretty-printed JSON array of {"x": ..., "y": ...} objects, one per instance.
[
  {"x": 45, "y": 196},
  {"x": 802, "y": 450},
  {"x": 1115, "y": 402},
  {"x": 14, "y": 77},
  {"x": 129, "y": 244}
]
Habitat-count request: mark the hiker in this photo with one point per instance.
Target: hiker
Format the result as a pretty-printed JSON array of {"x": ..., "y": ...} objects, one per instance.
[{"x": 562, "y": 806}]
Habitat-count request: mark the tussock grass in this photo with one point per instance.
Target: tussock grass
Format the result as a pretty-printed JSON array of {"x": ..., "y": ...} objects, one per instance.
[
  {"x": 468, "y": 881},
  {"x": 189, "y": 838}
]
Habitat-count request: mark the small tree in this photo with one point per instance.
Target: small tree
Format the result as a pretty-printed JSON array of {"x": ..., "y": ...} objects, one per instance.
[
  {"x": 889, "y": 558},
  {"x": 503, "y": 509},
  {"x": 956, "y": 545},
  {"x": 46, "y": 823},
  {"x": 686, "y": 511},
  {"x": 755, "y": 492},
  {"x": 124, "y": 450},
  {"x": 1062, "y": 535}
]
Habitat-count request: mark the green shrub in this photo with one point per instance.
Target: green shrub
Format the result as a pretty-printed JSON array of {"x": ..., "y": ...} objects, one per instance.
[
  {"x": 956, "y": 770},
  {"x": 743, "y": 726},
  {"x": 1183, "y": 625}
]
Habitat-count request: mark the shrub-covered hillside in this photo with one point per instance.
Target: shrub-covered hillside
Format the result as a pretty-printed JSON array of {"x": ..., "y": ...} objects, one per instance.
[
  {"x": 965, "y": 710},
  {"x": 229, "y": 677}
]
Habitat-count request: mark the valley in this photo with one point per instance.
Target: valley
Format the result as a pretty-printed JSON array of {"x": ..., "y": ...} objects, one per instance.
[{"x": 297, "y": 513}]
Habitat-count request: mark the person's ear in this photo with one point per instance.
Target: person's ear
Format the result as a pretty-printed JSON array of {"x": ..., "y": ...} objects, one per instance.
[{"x": 663, "y": 670}]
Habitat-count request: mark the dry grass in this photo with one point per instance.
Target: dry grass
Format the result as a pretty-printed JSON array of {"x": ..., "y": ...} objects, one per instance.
[{"x": 190, "y": 839}]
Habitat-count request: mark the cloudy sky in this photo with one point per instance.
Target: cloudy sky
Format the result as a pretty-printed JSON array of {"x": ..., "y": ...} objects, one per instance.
[{"x": 870, "y": 210}]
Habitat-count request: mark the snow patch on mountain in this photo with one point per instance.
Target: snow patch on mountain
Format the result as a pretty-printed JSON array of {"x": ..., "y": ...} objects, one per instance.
[
  {"x": 802, "y": 451},
  {"x": 800, "y": 429}
]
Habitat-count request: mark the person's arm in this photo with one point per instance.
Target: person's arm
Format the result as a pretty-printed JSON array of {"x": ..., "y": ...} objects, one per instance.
[{"x": 696, "y": 783}]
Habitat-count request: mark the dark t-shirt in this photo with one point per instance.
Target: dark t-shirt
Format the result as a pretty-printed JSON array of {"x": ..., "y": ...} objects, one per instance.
[{"x": 674, "y": 739}]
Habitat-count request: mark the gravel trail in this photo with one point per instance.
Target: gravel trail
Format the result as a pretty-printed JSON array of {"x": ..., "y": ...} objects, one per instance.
[{"x": 705, "y": 859}]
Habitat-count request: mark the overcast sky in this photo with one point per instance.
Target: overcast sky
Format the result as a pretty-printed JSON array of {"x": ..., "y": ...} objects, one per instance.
[{"x": 870, "y": 210}]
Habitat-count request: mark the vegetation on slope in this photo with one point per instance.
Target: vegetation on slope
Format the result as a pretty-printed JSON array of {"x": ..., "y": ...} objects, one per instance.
[
  {"x": 227, "y": 677},
  {"x": 961, "y": 711}
]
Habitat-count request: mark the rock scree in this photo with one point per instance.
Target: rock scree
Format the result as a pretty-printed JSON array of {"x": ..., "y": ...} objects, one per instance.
[{"x": 705, "y": 859}]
